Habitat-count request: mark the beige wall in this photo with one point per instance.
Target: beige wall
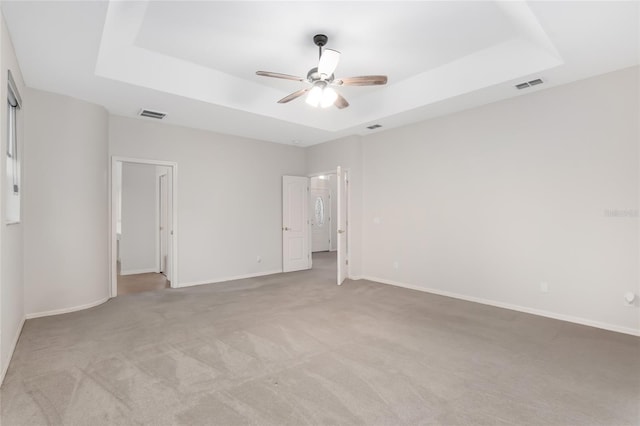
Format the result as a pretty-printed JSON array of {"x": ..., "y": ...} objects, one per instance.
[
  {"x": 490, "y": 202},
  {"x": 65, "y": 203},
  {"x": 229, "y": 195},
  {"x": 11, "y": 236}
]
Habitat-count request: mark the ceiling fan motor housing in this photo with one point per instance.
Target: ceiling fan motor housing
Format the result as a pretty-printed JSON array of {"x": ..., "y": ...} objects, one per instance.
[{"x": 313, "y": 75}]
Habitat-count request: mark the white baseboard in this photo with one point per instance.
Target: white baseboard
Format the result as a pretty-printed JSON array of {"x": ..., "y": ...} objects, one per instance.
[
  {"x": 539, "y": 312},
  {"x": 138, "y": 271},
  {"x": 5, "y": 368},
  {"x": 67, "y": 310},
  {"x": 237, "y": 277}
]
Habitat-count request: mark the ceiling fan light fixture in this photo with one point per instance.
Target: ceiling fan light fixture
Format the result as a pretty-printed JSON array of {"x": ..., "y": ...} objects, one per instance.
[
  {"x": 315, "y": 96},
  {"x": 321, "y": 95},
  {"x": 329, "y": 97}
]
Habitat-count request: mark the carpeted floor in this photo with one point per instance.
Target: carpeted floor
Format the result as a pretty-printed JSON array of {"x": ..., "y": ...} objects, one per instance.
[
  {"x": 139, "y": 283},
  {"x": 295, "y": 349}
]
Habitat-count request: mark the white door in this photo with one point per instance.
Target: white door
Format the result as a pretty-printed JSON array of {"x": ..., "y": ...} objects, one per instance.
[
  {"x": 343, "y": 261},
  {"x": 320, "y": 219},
  {"x": 295, "y": 224},
  {"x": 164, "y": 223}
]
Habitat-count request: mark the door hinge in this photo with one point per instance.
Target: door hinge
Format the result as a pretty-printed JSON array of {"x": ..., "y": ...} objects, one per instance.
[{"x": 346, "y": 262}]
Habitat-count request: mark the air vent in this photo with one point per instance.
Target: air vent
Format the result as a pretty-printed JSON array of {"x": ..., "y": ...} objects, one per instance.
[
  {"x": 529, "y": 84},
  {"x": 152, "y": 114},
  {"x": 375, "y": 126}
]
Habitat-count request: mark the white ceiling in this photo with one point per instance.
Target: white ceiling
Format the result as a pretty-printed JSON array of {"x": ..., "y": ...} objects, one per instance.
[{"x": 196, "y": 61}]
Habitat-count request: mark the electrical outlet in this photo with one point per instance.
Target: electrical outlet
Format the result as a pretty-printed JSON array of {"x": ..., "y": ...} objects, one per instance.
[
  {"x": 259, "y": 259},
  {"x": 629, "y": 299},
  {"x": 396, "y": 265},
  {"x": 544, "y": 287}
]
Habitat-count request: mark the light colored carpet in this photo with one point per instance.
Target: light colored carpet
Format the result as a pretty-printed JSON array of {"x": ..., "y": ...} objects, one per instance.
[
  {"x": 139, "y": 283},
  {"x": 295, "y": 349}
]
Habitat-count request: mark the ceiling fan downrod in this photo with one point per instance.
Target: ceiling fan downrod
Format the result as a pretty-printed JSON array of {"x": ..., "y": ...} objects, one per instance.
[{"x": 320, "y": 40}]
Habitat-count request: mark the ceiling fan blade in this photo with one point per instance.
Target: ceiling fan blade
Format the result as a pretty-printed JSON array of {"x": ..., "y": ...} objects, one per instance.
[
  {"x": 279, "y": 75},
  {"x": 341, "y": 102},
  {"x": 328, "y": 62},
  {"x": 365, "y": 80},
  {"x": 293, "y": 96}
]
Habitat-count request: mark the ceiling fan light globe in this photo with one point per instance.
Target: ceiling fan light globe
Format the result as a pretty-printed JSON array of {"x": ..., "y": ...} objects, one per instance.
[
  {"x": 314, "y": 97},
  {"x": 329, "y": 97}
]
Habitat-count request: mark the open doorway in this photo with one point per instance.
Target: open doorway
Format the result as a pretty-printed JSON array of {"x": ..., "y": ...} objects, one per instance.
[
  {"x": 329, "y": 221},
  {"x": 314, "y": 223},
  {"x": 323, "y": 221},
  {"x": 143, "y": 218}
]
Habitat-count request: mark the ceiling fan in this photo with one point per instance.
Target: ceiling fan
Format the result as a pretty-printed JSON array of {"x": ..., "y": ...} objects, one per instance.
[{"x": 321, "y": 78}]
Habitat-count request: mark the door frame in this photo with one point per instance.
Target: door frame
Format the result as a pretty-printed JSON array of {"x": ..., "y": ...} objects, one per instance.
[
  {"x": 347, "y": 171},
  {"x": 159, "y": 257},
  {"x": 173, "y": 182}
]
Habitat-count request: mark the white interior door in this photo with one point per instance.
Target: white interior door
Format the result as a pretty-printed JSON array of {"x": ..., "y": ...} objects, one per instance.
[
  {"x": 295, "y": 224},
  {"x": 164, "y": 223},
  {"x": 320, "y": 219},
  {"x": 343, "y": 226}
]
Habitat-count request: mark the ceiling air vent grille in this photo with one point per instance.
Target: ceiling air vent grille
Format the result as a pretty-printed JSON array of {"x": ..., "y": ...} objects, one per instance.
[
  {"x": 529, "y": 84},
  {"x": 152, "y": 114},
  {"x": 375, "y": 126}
]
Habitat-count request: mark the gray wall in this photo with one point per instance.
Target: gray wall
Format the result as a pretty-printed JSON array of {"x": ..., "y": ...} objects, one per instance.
[
  {"x": 490, "y": 202},
  {"x": 11, "y": 236},
  {"x": 66, "y": 263},
  {"x": 229, "y": 195}
]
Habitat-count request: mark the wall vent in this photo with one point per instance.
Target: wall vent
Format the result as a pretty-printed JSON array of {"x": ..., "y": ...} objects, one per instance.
[
  {"x": 374, "y": 126},
  {"x": 529, "y": 84},
  {"x": 152, "y": 114}
]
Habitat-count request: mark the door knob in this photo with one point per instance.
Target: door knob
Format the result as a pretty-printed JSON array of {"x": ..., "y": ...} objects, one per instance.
[
  {"x": 340, "y": 231},
  {"x": 285, "y": 229}
]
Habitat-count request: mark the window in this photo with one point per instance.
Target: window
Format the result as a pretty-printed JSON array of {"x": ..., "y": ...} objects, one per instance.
[
  {"x": 319, "y": 209},
  {"x": 14, "y": 103}
]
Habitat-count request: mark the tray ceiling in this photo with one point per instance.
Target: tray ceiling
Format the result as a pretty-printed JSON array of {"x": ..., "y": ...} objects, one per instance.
[{"x": 196, "y": 61}]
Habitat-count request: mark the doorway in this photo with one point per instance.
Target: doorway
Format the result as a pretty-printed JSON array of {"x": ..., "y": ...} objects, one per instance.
[
  {"x": 314, "y": 223},
  {"x": 143, "y": 225},
  {"x": 322, "y": 189}
]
